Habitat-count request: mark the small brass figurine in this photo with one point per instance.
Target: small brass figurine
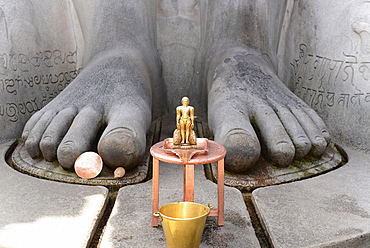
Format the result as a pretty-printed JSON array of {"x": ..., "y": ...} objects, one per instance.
[{"x": 184, "y": 136}]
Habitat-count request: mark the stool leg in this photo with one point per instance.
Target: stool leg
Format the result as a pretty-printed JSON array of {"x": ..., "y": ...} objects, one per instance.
[
  {"x": 155, "y": 191},
  {"x": 220, "y": 186},
  {"x": 189, "y": 182}
]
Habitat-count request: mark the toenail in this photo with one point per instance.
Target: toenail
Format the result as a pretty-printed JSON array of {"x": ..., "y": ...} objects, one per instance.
[
  {"x": 283, "y": 142},
  {"x": 47, "y": 138},
  {"x": 68, "y": 146},
  {"x": 284, "y": 147},
  {"x": 66, "y": 149},
  {"x": 325, "y": 131},
  {"x": 320, "y": 139},
  {"x": 237, "y": 131},
  {"x": 122, "y": 130},
  {"x": 304, "y": 140}
]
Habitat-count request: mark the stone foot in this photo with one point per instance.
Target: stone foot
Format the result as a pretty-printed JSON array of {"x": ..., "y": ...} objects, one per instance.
[
  {"x": 252, "y": 111},
  {"x": 111, "y": 97}
]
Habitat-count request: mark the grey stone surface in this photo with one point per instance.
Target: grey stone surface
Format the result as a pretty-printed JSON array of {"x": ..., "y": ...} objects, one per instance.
[
  {"x": 238, "y": 55},
  {"x": 108, "y": 106},
  {"x": 130, "y": 222},
  {"x": 137, "y": 58},
  {"x": 178, "y": 29},
  {"x": 331, "y": 210},
  {"x": 44, "y": 214},
  {"x": 40, "y": 55},
  {"x": 328, "y": 54}
]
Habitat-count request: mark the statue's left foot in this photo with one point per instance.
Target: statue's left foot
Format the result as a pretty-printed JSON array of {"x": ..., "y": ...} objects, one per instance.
[{"x": 251, "y": 110}]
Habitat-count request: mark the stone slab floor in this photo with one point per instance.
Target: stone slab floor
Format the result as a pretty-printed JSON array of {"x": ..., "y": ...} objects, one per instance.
[
  {"x": 40, "y": 213},
  {"x": 331, "y": 210}
]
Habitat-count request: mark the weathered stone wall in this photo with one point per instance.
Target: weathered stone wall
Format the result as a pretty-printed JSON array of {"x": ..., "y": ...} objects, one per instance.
[
  {"x": 39, "y": 56},
  {"x": 325, "y": 58}
]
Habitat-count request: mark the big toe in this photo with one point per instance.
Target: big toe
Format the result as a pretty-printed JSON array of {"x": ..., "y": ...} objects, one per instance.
[
  {"x": 243, "y": 150},
  {"x": 122, "y": 147}
]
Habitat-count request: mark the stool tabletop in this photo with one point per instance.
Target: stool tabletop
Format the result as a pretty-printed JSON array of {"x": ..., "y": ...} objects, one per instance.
[{"x": 215, "y": 152}]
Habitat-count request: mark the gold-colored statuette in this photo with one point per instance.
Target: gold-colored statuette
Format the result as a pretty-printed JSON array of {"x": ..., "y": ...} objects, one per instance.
[{"x": 184, "y": 136}]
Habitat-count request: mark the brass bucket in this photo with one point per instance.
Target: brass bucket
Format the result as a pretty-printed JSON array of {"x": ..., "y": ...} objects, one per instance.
[{"x": 183, "y": 223}]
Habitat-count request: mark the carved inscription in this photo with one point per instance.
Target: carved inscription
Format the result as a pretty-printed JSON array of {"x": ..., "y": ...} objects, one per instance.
[
  {"x": 317, "y": 79},
  {"x": 29, "y": 81},
  {"x": 322, "y": 98},
  {"x": 24, "y": 62},
  {"x": 52, "y": 84},
  {"x": 13, "y": 85}
]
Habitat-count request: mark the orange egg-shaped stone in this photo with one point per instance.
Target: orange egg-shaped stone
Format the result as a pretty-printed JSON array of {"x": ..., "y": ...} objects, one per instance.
[
  {"x": 88, "y": 165},
  {"x": 119, "y": 172}
]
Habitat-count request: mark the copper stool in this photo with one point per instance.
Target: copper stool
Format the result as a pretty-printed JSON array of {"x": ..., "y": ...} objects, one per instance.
[{"x": 216, "y": 153}]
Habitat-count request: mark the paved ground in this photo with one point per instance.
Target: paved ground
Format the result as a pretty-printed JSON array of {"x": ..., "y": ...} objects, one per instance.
[
  {"x": 331, "y": 210},
  {"x": 39, "y": 213},
  {"x": 130, "y": 223}
]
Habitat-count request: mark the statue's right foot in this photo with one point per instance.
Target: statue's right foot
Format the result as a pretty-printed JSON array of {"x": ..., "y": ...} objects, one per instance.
[
  {"x": 107, "y": 94},
  {"x": 110, "y": 101}
]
